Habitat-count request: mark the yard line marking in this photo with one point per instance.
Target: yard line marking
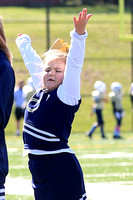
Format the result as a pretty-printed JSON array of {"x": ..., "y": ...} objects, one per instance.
[
  {"x": 12, "y": 149},
  {"x": 109, "y": 155},
  {"x": 107, "y": 164},
  {"x": 109, "y": 175},
  {"x": 18, "y": 166},
  {"x": 18, "y": 186},
  {"x": 95, "y": 191}
]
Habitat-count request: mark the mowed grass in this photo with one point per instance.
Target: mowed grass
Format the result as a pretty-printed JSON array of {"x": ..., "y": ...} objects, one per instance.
[
  {"x": 102, "y": 161},
  {"x": 107, "y": 59}
]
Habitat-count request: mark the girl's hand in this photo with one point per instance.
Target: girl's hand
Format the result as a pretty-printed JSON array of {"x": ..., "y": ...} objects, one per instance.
[{"x": 81, "y": 22}]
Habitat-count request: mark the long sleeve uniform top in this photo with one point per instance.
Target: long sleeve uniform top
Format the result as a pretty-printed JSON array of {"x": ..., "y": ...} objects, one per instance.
[{"x": 56, "y": 109}]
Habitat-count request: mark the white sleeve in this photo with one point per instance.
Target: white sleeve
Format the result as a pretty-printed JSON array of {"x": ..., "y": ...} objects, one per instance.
[
  {"x": 31, "y": 59},
  {"x": 69, "y": 91}
]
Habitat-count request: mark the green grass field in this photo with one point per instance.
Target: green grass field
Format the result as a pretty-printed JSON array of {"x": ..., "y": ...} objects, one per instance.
[
  {"x": 103, "y": 161},
  {"x": 108, "y": 59}
]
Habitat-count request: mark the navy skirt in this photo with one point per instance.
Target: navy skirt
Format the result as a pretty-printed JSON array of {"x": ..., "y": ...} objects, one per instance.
[{"x": 57, "y": 177}]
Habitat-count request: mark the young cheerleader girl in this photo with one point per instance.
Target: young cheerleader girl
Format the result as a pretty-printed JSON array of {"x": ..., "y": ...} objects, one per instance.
[{"x": 56, "y": 172}]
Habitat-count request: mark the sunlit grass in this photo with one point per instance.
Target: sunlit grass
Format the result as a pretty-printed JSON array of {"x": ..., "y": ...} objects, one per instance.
[
  {"x": 102, "y": 161},
  {"x": 107, "y": 59}
]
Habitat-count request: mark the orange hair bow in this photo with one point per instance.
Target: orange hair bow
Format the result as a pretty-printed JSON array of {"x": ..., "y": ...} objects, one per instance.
[{"x": 60, "y": 45}]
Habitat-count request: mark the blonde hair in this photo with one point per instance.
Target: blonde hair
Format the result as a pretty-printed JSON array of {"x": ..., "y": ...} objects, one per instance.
[
  {"x": 3, "y": 43},
  {"x": 50, "y": 55},
  {"x": 53, "y": 54}
]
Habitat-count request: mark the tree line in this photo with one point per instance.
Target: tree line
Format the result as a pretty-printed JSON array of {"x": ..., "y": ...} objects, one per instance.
[{"x": 93, "y": 2}]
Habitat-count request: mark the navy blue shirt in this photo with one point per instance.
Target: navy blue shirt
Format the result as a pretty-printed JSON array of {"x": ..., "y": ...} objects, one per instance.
[
  {"x": 7, "y": 82},
  {"x": 48, "y": 122}
]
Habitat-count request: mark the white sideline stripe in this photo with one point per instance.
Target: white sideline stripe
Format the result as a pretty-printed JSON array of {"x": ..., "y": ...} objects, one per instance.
[
  {"x": 18, "y": 167},
  {"x": 38, "y": 130},
  {"x": 107, "y": 164},
  {"x": 108, "y": 155},
  {"x": 41, "y": 137},
  {"x": 94, "y": 191},
  {"x": 109, "y": 191},
  {"x": 109, "y": 175},
  {"x": 18, "y": 186}
]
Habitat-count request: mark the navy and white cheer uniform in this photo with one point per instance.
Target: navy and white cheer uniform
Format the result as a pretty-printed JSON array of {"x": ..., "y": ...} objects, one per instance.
[
  {"x": 7, "y": 82},
  {"x": 56, "y": 172}
]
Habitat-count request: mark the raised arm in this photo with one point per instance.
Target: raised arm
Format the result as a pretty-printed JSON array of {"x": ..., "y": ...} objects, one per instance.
[
  {"x": 69, "y": 91},
  {"x": 31, "y": 59},
  {"x": 81, "y": 21}
]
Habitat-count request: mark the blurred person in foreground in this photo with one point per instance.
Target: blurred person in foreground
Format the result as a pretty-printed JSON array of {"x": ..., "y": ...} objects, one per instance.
[
  {"x": 7, "y": 82},
  {"x": 99, "y": 98},
  {"x": 116, "y": 99}
]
